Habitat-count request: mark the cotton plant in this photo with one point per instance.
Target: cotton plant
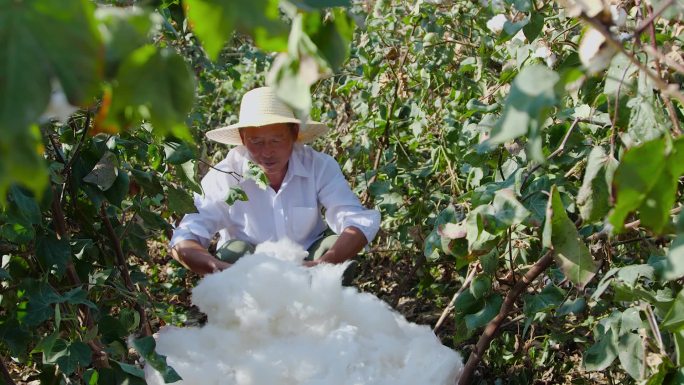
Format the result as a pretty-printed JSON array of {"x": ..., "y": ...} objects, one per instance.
[{"x": 273, "y": 321}]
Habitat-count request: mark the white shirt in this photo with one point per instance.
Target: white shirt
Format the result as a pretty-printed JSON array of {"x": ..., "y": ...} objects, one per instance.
[{"x": 313, "y": 182}]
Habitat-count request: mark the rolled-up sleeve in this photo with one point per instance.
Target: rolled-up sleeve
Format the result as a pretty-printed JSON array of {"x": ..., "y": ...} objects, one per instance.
[
  {"x": 342, "y": 207},
  {"x": 211, "y": 215}
]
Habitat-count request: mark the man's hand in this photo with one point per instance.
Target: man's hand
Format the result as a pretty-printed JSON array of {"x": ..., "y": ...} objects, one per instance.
[
  {"x": 195, "y": 257},
  {"x": 350, "y": 242},
  {"x": 312, "y": 263}
]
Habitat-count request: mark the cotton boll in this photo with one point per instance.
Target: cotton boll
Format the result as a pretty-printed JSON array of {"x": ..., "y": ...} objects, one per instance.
[
  {"x": 273, "y": 321},
  {"x": 543, "y": 52},
  {"x": 594, "y": 52},
  {"x": 618, "y": 15},
  {"x": 286, "y": 250},
  {"x": 520, "y": 36},
  {"x": 496, "y": 23}
]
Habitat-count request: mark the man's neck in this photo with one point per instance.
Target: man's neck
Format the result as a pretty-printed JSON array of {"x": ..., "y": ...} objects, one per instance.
[{"x": 276, "y": 181}]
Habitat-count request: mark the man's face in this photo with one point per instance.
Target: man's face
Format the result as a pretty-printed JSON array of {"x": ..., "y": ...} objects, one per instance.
[{"x": 270, "y": 146}]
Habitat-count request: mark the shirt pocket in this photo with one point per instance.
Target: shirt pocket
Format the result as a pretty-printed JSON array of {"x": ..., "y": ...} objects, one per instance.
[{"x": 303, "y": 221}]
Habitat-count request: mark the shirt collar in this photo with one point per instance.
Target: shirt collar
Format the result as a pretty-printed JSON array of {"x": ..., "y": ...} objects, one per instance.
[{"x": 295, "y": 166}]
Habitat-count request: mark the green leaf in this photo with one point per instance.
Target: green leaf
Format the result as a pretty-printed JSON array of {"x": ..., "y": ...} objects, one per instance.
[
  {"x": 235, "y": 194},
  {"x": 105, "y": 172},
  {"x": 145, "y": 347},
  {"x": 41, "y": 40},
  {"x": 549, "y": 298},
  {"x": 475, "y": 105},
  {"x": 532, "y": 97},
  {"x": 574, "y": 306},
  {"x": 487, "y": 313},
  {"x": 178, "y": 152},
  {"x": 21, "y": 160},
  {"x": 671, "y": 267},
  {"x": 332, "y": 35},
  {"x": 600, "y": 355},
  {"x": 632, "y": 355},
  {"x": 466, "y": 303},
  {"x": 646, "y": 180},
  {"x": 646, "y": 122},
  {"x": 148, "y": 181},
  {"x": 53, "y": 253},
  {"x": 313, "y": 4},
  {"x": 560, "y": 234},
  {"x": 69, "y": 356},
  {"x": 213, "y": 21},
  {"x": 154, "y": 85},
  {"x": 119, "y": 189},
  {"x": 41, "y": 297},
  {"x": 257, "y": 174},
  {"x": 674, "y": 319},
  {"x": 619, "y": 76},
  {"x": 123, "y": 30},
  {"x": 77, "y": 296},
  {"x": 678, "y": 337},
  {"x": 23, "y": 208},
  {"x": 508, "y": 211},
  {"x": 131, "y": 369},
  {"x": 593, "y": 198},
  {"x": 480, "y": 286},
  {"x": 15, "y": 337},
  {"x": 180, "y": 201},
  {"x": 534, "y": 27}
]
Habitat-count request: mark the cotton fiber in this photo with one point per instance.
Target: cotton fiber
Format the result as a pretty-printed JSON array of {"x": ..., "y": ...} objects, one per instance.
[{"x": 272, "y": 321}]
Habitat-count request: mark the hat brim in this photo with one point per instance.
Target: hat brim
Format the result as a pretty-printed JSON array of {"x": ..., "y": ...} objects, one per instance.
[{"x": 308, "y": 132}]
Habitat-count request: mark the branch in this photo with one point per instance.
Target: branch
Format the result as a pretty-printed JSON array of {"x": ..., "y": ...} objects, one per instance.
[
  {"x": 651, "y": 19},
  {"x": 662, "y": 85},
  {"x": 466, "y": 283},
  {"x": 79, "y": 146},
  {"x": 631, "y": 226},
  {"x": 555, "y": 153},
  {"x": 654, "y": 48},
  {"x": 492, "y": 327},
  {"x": 634, "y": 225},
  {"x": 384, "y": 140},
  {"x": 123, "y": 267},
  {"x": 234, "y": 174},
  {"x": 101, "y": 358}
]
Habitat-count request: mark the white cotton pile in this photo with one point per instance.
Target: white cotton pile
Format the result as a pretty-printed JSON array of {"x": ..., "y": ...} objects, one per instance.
[{"x": 272, "y": 321}]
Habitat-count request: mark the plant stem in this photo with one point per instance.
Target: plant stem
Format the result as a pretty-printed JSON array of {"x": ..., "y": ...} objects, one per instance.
[
  {"x": 668, "y": 103},
  {"x": 466, "y": 283},
  {"x": 123, "y": 268},
  {"x": 485, "y": 339},
  {"x": 654, "y": 326},
  {"x": 555, "y": 153},
  {"x": 651, "y": 19}
]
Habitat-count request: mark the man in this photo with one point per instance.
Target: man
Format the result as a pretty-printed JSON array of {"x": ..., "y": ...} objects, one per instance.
[{"x": 301, "y": 183}]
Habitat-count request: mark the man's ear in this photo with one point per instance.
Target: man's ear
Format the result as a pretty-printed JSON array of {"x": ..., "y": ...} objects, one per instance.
[
  {"x": 242, "y": 134},
  {"x": 294, "y": 129}
]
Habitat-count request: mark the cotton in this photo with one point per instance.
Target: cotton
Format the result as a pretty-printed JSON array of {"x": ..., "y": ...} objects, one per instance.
[{"x": 272, "y": 321}]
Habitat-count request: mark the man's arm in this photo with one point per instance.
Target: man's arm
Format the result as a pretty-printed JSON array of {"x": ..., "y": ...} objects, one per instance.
[
  {"x": 193, "y": 256},
  {"x": 350, "y": 243}
]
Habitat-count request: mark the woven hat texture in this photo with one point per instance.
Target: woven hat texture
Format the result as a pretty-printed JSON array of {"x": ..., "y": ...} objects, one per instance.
[{"x": 261, "y": 107}]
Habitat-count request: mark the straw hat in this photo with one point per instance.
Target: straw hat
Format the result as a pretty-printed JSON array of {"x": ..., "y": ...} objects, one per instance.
[{"x": 261, "y": 107}]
